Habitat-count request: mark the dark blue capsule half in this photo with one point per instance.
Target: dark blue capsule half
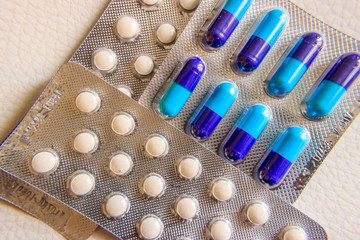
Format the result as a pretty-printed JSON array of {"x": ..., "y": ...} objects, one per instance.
[
  {"x": 223, "y": 24},
  {"x": 211, "y": 110},
  {"x": 258, "y": 41}
]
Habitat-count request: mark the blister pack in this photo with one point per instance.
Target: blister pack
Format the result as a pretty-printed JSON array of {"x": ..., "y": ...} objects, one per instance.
[
  {"x": 107, "y": 157},
  {"x": 131, "y": 39},
  {"x": 241, "y": 80},
  {"x": 71, "y": 224}
]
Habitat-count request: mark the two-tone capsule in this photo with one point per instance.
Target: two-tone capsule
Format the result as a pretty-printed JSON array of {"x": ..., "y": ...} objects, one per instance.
[
  {"x": 293, "y": 64},
  {"x": 258, "y": 41},
  {"x": 246, "y": 130},
  {"x": 327, "y": 92},
  {"x": 211, "y": 110},
  {"x": 282, "y": 154},
  {"x": 217, "y": 30},
  {"x": 172, "y": 97}
]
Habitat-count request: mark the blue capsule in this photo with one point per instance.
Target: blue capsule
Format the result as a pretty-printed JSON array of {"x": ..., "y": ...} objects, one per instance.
[
  {"x": 222, "y": 25},
  {"x": 172, "y": 97},
  {"x": 332, "y": 85},
  {"x": 258, "y": 41},
  {"x": 246, "y": 130},
  {"x": 211, "y": 110},
  {"x": 293, "y": 64},
  {"x": 282, "y": 154}
]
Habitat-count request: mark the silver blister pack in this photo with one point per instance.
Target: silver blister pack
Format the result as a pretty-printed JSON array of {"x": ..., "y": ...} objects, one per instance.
[
  {"x": 285, "y": 111},
  {"x": 52, "y": 126},
  {"x": 141, "y": 21}
]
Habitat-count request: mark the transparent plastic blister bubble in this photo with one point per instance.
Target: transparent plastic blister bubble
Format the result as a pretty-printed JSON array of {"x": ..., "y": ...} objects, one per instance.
[
  {"x": 132, "y": 38},
  {"x": 177, "y": 188},
  {"x": 285, "y": 110}
]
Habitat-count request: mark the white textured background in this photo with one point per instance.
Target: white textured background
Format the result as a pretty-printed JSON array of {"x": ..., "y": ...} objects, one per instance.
[{"x": 37, "y": 37}]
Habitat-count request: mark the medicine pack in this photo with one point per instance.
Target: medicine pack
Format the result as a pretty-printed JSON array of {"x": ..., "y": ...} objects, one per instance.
[
  {"x": 263, "y": 84},
  {"x": 131, "y": 39},
  {"x": 99, "y": 152}
]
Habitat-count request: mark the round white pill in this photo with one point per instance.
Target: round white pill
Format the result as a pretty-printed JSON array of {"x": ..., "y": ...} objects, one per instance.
[
  {"x": 121, "y": 164},
  {"x": 150, "y": 227},
  {"x": 86, "y": 142},
  {"x": 104, "y": 60},
  {"x": 156, "y": 146},
  {"x": 123, "y": 124},
  {"x": 88, "y": 102},
  {"x": 150, "y": 2},
  {"x": 293, "y": 233},
  {"x": 81, "y": 183},
  {"x": 116, "y": 205},
  {"x": 222, "y": 189},
  {"x": 125, "y": 90},
  {"x": 220, "y": 229},
  {"x": 144, "y": 65},
  {"x": 186, "y": 207},
  {"x": 45, "y": 162},
  {"x": 153, "y": 185},
  {"x": 166, "y": 33},
  {"x": 257, "y": 213},
  {"x": 188, "y": 167},
  {"x": 127, "y": 28},
  {"x": 189, "y": 5}
]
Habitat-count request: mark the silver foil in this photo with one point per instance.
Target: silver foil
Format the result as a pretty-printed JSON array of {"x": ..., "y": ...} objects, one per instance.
[
  {"x": 54, "y": 119},
  {"x": 102, "y": 35},
  {"x": 286, "y": 111}
]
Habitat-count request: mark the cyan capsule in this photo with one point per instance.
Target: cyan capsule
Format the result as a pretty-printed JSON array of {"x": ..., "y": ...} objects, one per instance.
[
  {"x": 218, "y": 29},
  {"x": 211, "y": 110},
  {"x": 282, "y": 154},
  {"x": 293, "y": 64},
  {"x": 246, "y": 130},
  {"x": 327, "y": 92},
  {"x": 258, "y": 41},
  {"x": 172, "y": 97}
]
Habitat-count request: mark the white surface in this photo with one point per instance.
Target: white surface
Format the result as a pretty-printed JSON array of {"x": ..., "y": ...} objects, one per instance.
[
  {"x": 166, "y": 33},
  {"x": 44, "y": 162},
  {"x": 151, "y": 227},
  {"x": 88, "y": 102},
  {"x": 222, "y": 189},
  {"x": 123, "y": 124},
  {"x": 81, "y": 183},
  {"x": 117, "y": 205},
  {"x": 86, "y": 142},
  {"x": 144, "y": 65},
  {"x": 121, "y": 164},
  {"x": 54, "y": 29}
]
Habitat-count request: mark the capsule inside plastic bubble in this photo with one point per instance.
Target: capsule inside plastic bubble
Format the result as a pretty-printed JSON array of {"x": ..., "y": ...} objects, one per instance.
[
  {"x": 282, "y": 154},
  {"x": 177, "y": 90},
  {"x": 211, "y": 110},
  {"x": 293, "y": 64},
  {"x": 244, "y": 133},
  {"x": 258, "y": 41},
  {"x": 329, "y": 89},
  {"x": 222, "y": 23}
]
